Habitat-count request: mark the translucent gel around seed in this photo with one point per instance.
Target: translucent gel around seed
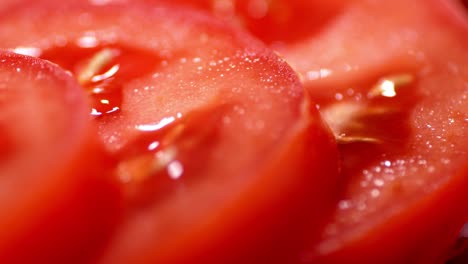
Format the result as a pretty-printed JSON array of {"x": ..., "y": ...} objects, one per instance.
[
  {"x": 105, "y": 83},
  {"x": 167, "y": 156}
]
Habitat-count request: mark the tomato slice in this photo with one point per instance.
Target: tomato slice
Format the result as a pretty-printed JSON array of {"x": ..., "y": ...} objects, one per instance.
[
  {"x": 299, "y": 30},
  {"x": 304, "y": 33},
  {"x": 51, "y": 193},
  {"x": 357, "y": 50},
  {"x": 402, "y": 128},
  {"x": 220, "y": 155},
  {"x": 275, "y": 22}
]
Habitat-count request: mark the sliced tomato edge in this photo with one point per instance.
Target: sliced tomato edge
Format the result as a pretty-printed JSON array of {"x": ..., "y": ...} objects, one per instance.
[{"x": 75, "y": 150}]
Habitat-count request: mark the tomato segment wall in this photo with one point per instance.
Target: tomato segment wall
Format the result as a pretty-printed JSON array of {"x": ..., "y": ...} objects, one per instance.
[
  {"x": 218, "y": 153},
  {"x": 50, "y": 187},
  {"x": 253, "y": 185}
]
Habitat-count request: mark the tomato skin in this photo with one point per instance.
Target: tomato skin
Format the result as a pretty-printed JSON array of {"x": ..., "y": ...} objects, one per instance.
[
  {"x": 250, "y": 199},
  {"x": 62, "y": 195}
]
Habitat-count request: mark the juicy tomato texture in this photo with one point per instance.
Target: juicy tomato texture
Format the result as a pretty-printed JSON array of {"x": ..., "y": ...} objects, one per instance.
[
  {"x": 219, "y": 153},
  {"x": 403, "y": 130},
  {"x": 54, "y": 185},
  {"x": 275, "y": 22},
  {"x": 390, "y": 79}
]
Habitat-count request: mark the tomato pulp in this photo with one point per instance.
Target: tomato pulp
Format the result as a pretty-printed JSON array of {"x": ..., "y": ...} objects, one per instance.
[
  {"x": 275, "y": 22},
  {"x": 45, "y": 203},
  {"x": 220, "y": 153},
  {"x": 198, "y": 128},
  {"x": 397, "y": 101},
  {"x": 390, "y": 79}
]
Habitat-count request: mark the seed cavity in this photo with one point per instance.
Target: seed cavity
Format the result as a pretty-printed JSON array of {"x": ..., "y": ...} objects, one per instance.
[
  {"x": 138, "y": 169},
  {"x": 97, "y": 63},
  {"x": 348, "y": 119},
  {"x": 388, "y": 86},
  {"x": 348, "y": 116}
]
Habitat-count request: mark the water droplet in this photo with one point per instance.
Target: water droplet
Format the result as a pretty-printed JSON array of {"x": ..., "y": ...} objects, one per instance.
[
  {"x": 175, "y": 170},
  {"x": 88, "y": 41},
  {"x": 375, "y": 193},
  {"x": 153, "y": 145},
  {"x": 339, "y": 96},
  {"x": 29, "y": 51},
  {"x": 379, "y": 182},
  {"x": 387, "y": 163},
  {"x": 156, "y": 126},
  {"x": 318, "y": 74},
  {"x": 344, "y": 204}
]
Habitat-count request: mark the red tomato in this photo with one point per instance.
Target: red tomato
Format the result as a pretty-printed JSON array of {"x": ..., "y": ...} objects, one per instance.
[
  {"x": 222, "y": 160},
  {"x": 272, "y": 20},
  {"x": 400, "y": 111},
  {"x": 361, "y": 47},
  {"x": 7, "y": 3},
  {"x": 51, "y": 189},
  {"x": 293, "y": 27}
]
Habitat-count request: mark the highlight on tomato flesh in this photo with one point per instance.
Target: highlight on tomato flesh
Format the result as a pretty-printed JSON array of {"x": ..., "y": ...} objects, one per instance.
[
  {"x": 303, "y": 33},
  {"x": 220, "y": 154},
  {"x": 294, "y": 27},
  {"x": 352, "y": 62},
  {"x": 51, "y": 193},
  {"x": 402, "y": 132}
]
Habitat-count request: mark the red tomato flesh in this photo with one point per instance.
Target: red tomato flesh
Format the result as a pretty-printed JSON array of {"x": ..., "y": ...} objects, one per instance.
[
  {"x": 395, "y": 143},
  {"x": 275, "y": 22},
  {"x": 403, "y": 127},
  {"x": 219, "y": 152},
  {"x": 50, "y": 190}
]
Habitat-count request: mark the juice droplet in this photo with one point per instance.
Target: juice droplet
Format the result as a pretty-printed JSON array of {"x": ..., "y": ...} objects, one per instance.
[
  {"x": 105, "y": 103},
  {"x": 103, "y": 71}
]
